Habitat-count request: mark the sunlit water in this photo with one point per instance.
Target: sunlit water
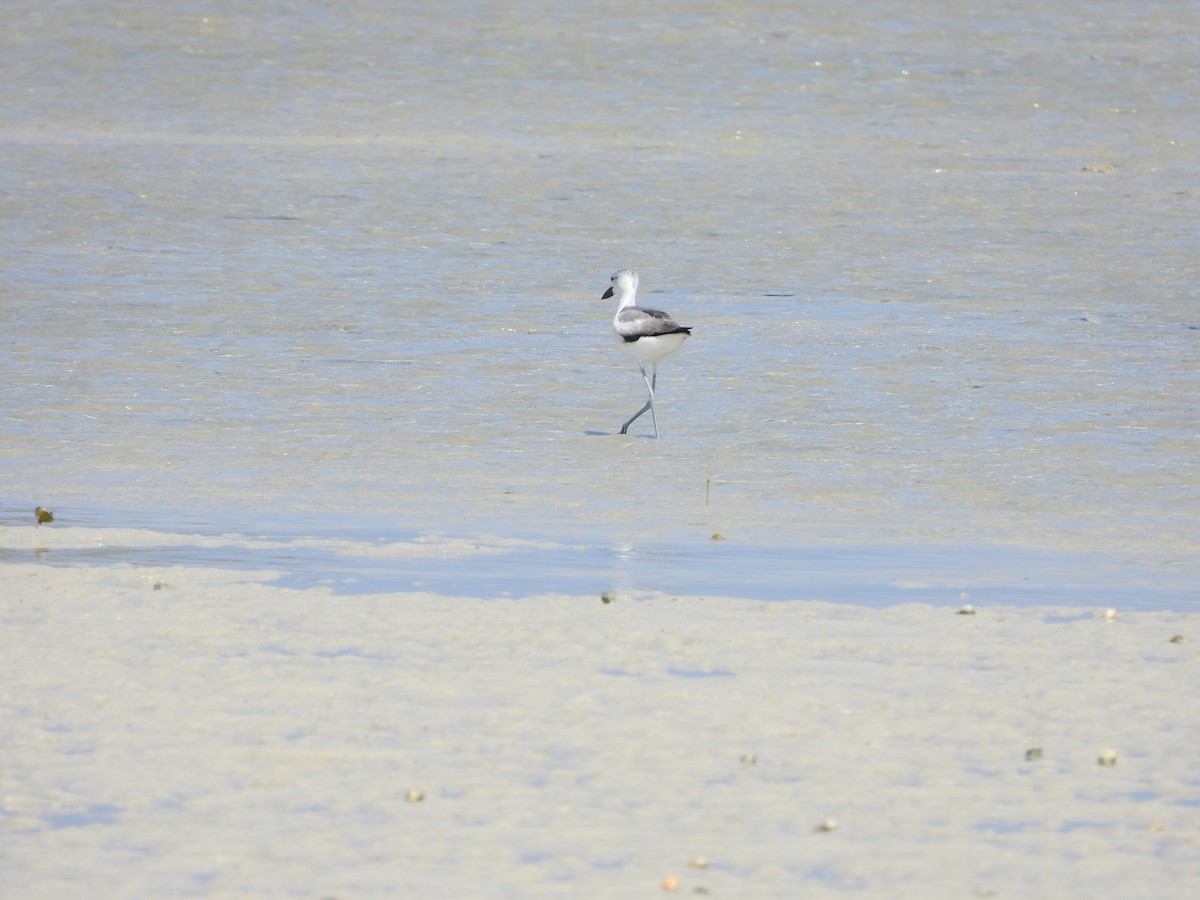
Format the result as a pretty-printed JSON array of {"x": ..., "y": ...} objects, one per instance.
[{"x": 302, "y": 268}]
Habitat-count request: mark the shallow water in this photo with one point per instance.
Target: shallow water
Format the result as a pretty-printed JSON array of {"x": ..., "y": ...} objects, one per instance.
[
  {"x": 371, "y": 557},
  {"x": 266, "y": 267}
]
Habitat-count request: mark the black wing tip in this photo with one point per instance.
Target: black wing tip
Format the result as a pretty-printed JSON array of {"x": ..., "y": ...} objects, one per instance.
[{"x": 682, "y": 329}]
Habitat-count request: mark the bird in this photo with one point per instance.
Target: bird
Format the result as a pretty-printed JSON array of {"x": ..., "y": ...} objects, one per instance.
[
  {"x": 647, "y": 335},
  {"x": 42, "y": 515}
]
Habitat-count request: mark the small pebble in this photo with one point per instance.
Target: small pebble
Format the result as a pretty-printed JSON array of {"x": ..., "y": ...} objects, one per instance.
[
  {"x": 718, "y": 536},
  {"x": 749, "y": 759},
  {"x": 1108, "y": 759},
  {"x": 1033, "y": 753},
  {"x": 1110, "y": 614},
  {"x": 671, "y": 883},
  {"x": 967, "y": 610},
  {"x": 608, "y": 597},
  {"x": 1178, "y": 639},
  {"x": 699, "y": 862},
  {"x": 416, "y": 795},
  {"x": 827, "y": 825}
]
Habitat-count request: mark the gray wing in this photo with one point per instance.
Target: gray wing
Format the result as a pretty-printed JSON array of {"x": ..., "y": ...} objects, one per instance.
[{"x": 634, "y": 322}]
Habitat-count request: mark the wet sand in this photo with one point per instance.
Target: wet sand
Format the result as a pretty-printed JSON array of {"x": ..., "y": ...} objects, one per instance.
[{"x": 177, "y": 731}]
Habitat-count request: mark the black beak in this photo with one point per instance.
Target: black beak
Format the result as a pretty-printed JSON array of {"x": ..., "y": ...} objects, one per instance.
[{"x": 606, "y": 294}]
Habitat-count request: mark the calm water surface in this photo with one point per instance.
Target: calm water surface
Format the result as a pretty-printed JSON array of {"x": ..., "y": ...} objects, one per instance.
[{"x": 308, "y": 264}]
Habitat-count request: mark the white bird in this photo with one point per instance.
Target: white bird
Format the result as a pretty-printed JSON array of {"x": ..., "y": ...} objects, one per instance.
[{"x": 647, "y": 335}]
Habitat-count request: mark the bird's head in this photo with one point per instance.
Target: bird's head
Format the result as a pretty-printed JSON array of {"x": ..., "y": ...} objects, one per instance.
[{"x": 624, "y": 283}]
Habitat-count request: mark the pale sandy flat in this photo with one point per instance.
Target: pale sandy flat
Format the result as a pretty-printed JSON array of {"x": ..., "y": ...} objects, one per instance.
[{"x": 175, "y": 732}]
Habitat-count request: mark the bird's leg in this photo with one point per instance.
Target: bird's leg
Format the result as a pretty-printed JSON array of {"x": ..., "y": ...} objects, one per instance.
[
  {"x": 625, "y": 427},
  {"x": 651, "y": 384},
  {"x": 648, "y": 406}
]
